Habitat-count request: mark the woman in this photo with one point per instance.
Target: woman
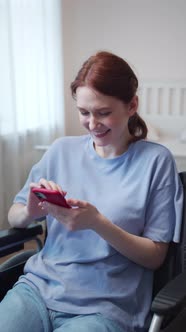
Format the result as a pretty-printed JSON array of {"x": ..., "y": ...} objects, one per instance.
[{"x": 95, "y": 272}]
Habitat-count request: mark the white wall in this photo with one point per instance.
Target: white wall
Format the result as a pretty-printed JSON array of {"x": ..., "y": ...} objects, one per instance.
[{"x": 149, "y": 34}]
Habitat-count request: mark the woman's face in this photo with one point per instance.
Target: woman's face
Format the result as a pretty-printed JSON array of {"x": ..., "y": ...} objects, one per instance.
[{"x": 106, "y": 119}]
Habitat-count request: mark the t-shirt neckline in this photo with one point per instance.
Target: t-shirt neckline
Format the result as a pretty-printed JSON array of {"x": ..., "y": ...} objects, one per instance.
[{"x": 94, "y": 155}]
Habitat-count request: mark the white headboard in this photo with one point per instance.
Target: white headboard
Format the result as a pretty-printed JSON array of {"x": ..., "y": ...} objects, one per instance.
[{"x": 163, "y": 106}]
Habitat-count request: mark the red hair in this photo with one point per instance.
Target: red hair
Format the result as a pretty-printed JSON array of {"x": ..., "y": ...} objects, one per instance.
[{"x": 112, "y": 76}]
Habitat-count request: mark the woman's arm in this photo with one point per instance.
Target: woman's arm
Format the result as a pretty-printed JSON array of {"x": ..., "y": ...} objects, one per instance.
[
  {"x": 18, "y": 216},
  {"x": 21, "y": 215},
  {"x": 140, "y": 250}
]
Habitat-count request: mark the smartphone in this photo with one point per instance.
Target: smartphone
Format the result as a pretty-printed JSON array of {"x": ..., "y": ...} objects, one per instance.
[{"x": 51, "y": 196}]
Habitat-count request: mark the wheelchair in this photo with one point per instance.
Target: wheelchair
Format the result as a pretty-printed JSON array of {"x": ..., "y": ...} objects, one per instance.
[{"x": 169, "y": 290}]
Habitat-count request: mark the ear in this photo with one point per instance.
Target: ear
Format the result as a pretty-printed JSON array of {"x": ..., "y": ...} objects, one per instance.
[{"x": 133, "y": 106}]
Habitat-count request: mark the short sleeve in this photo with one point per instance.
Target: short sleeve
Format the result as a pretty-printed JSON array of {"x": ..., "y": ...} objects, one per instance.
[
  {"x": 35, "y": 175},
  {"x": 43, "y": 169},
  {"x": 164, "y": 209},
  {"x": 37, "y": 172}
]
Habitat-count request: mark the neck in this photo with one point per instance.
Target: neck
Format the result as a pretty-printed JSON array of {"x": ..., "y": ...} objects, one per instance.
[{"x": 110, "y": 151}]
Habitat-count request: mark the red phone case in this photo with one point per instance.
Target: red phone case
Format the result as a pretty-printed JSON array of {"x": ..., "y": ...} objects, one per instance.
[{"x": 51, "y": 196}]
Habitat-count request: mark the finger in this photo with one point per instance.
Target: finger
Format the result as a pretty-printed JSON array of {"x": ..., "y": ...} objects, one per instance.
[
  {"x": 61, "y": 190},
  {"x": 34, "y": 185},
  {"x": 54, "y": 186},
  {"x": 43, "y": 207},
  {"x": 51, "y": 185},
  {"x": 44, "y": 183},
  {"x": 31, "y": 194},
  {"x": 57, "y": 187},
  {"x": 77, "y": 202},
  {"x": 53, "y": 209}
]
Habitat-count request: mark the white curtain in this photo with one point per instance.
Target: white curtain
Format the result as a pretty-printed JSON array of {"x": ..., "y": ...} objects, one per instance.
[{"x": 31, "y": 89}]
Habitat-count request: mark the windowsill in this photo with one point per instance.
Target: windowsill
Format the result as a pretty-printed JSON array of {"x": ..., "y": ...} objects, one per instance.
[
  {"x": 177, "y": 148},
  {"x": 41, "y": 147}
]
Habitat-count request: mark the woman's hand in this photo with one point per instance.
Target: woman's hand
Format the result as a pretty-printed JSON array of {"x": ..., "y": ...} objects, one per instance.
[
  {"x": 21, "y": 215},
  {"x": 50, "y": 185},
  {"x": 34, "y": 210},
  {"x": 83, "y": 215}
]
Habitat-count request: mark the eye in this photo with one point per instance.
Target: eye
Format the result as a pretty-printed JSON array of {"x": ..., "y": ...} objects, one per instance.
[
  {"x": 84, "y": 113},
  {"x": 105, "y": 113}
]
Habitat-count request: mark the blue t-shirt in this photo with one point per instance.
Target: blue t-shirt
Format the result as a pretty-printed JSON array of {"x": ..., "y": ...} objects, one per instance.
[{"x": 78, "y": 271}]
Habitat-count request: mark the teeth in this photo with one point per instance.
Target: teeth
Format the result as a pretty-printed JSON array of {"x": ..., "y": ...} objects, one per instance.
[{"x": 100, "y": 133}]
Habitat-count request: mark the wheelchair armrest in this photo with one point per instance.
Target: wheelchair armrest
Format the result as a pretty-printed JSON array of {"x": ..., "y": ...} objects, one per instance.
[
  {"x": 13, "y": 239},
  {"x": 170, "y": 297}
]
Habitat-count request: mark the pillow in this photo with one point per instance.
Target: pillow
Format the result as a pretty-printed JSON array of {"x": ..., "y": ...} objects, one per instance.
[
  {"x": 182, "y": 136},
  {"x": 153, "y": 133}
]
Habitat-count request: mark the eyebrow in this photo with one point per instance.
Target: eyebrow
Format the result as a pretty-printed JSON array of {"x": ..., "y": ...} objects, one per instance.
[{"x": 96, "y": 110}]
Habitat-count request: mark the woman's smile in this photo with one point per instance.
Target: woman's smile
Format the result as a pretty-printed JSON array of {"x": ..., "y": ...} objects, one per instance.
[
  {"x": 100, "y": 134},
  {"x": 106, "y": 119}
]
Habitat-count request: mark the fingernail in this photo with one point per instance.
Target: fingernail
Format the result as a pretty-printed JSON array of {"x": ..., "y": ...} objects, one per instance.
[{"x": 44, "y": 204}]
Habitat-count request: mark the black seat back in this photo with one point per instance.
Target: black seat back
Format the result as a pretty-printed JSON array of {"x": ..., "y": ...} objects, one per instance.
[
  {"x": 175, "y": 261},
  {"x": 11, "y": 270},
  {"x": 12, "y": 240}
]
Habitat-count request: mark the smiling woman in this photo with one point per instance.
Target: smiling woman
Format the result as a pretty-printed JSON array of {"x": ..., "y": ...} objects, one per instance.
[{"x": 126, "y": 199}]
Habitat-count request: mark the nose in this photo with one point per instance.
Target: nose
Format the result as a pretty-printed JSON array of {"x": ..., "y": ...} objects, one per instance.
[{"x": 93, "y": 123}]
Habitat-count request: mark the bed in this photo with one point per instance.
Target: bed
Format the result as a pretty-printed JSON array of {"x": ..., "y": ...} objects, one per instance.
[{"x": 163, "y": 106}]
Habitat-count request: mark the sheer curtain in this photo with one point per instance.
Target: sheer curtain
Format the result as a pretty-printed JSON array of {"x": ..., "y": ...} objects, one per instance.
[{"x": 31, "y": 89}]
